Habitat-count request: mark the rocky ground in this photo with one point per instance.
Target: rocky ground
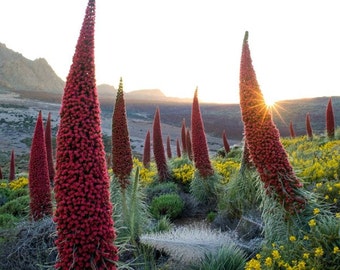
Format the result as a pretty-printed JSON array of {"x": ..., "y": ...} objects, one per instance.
[{"x": 18, "y": 117}]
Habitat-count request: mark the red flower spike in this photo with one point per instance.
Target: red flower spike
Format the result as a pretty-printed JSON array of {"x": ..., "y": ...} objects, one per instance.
[
  {"x": 189, "y": 145},
  {"x": 158, "y": 148},
  {"x": 263, "y": 140},
  {"x": 1, "y": 175},
  {"x": 12, "y": 167},
  {"x": 147, "y": 150},
  {"x": 121, "y": 150},
  {"x": 85, "y": 228},
  {"x": 38, "y": 178},
  {"x": 291, "y": 130},
  {"x": 330, "y": 120},
  {"x": 225, "y": 142},
  {"x": 168, "y": 147},
  {"x": 184, "y": 137},
  {"x": 178, "y": 148},
  {"x": 199, "y": 141},
  {"x": 309, "y": 127},
  {"x": 49, "y": 152},
  {"x": 246, "y": 162}
]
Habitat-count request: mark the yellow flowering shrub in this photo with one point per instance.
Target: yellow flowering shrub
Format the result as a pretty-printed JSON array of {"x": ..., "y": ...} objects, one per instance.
[
  {"x": 3, "y": 185},
  {"x": 146, "y": 175},
  {"x": 314, "y": 160},
  {"x": 330, "y": 191},
  {"x": 226, "y": 168},
  {"x": 182, "y": 170},
  {"x": 184, "y": 173},
  {"x": 317, "y": 247},
  {"x": 18, "y": 183}
]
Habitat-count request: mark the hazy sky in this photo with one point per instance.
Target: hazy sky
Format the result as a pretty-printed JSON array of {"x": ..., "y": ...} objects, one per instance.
[{"x": 176, "y": 45}]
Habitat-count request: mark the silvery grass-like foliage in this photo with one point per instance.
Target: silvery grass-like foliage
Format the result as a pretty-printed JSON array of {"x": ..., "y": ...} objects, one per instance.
[{"x": 188, "y": 244}]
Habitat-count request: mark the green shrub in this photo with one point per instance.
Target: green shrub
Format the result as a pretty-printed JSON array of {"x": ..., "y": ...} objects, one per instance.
[
  {"x": 163, "y": 225},
  {"x": 18, "y": 207},
  {"x": 226, "y": 258},
  {"x": 3, "y": 198},
  {"x": 159, "y": 189},
  {"x": 170, "y": 205},
  {"x": 16, "y": 193},
  {"x": 211, "y": 216},
  {"x": 204, "y": 189},
  {"x": 7, "y": 220},
  {"x": 4, "y": 193}
]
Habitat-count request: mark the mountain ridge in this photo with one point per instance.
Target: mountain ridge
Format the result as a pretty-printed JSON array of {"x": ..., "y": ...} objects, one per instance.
[{"x": 31, "y": 77}]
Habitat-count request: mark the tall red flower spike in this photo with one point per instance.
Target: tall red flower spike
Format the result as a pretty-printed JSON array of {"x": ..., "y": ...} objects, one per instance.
[
  {"x": 189, "y": 145},
  {"x": 121, "y": 149},
  {"x": 147, "y": 150},
  {"x": 225, "y": 142},
  {"x": 184, "y": 137},
  {"x": 246, "y": 162},
  {"x": 168, "y": 147},
  {"x": 291, "y": 130},
  {"x": 85, "y": 228},
  {"x": 199, "y": 141},
  {"x": 49, "y": 152},
  {"x": 330, "y": 120},
  {"x": 263, "y": 140},
  {"x": 12, "y": 167},
  {"x": 38, "y": 177},
  {"x": 178, "y": 148},
  {"x": 309, "y": 127},
  {"x": 1, "y": 175},
  {"x": 158, "y": 148}
]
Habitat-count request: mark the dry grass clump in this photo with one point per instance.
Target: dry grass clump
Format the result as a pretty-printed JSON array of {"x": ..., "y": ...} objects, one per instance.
[{"x": 29, "y": 246}]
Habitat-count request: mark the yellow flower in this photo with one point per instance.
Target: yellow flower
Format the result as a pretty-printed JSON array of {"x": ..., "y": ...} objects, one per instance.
[
  {"x": 318, "y": 252},
  {"x": 337, "y": 215},
  {"x": 312, "y": 223},
  {"x": 305, "y": 255},
  {"x": 258, "y": 256},
  {"x": 253, "y": 264},
  {"x": 305, "y": 237},
  {"x": 3, "y": 185},
  {"x": 336, "y": 250},
  {"x": 326, "y": 197},
  {"x": 276, "y": 255},
  {"x": 301, "y": 265},
  {"x": 281, "y": 263},
  {"x": 268, "y": 262},
  {"x": 316, "y": 211},
  {"x": 292, "y": 238},
  {"x": 319, "y": 185}
]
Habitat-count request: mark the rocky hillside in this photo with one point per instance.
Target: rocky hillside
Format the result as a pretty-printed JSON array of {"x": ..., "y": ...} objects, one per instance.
[
  {"x": 20, "y": 73},
  {"x": 36, "y": 79}
]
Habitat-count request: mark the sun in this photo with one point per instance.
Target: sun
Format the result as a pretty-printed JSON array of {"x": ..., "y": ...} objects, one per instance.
[{"x": 270, "y": 101}]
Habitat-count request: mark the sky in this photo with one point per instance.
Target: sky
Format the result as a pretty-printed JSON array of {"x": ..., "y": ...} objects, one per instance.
[{"x": 178, "y": 45}]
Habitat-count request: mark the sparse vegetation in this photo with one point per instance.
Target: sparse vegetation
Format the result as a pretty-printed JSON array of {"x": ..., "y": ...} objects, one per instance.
[{"x": 271, "y": 203}]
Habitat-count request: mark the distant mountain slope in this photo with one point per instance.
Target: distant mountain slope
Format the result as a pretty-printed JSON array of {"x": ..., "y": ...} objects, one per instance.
[
  {"x": 37, "y": 79},
  {"x": 20, "y": 73}
]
